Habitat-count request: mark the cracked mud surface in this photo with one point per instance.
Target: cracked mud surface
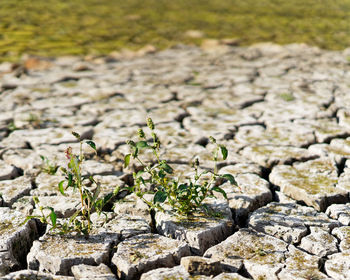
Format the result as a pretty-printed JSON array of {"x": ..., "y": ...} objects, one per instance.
[{"x": 283, "y": 112}]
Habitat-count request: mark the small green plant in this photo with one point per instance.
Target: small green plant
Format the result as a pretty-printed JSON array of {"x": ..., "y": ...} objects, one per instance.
[
  {"x": 90, "y": 202},
  {"x": 12, "y": 127},
  {"x": 47, "y": 166},
  {"x": 286, "y": 96},
  {"x": 185, "y": 198}
]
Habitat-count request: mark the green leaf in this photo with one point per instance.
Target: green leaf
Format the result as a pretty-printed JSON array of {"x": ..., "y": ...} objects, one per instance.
[
  {"x": 53, "y": 217},
  {"x": 61, "y": 188},
  {"x": 70, "y": 179},
  {"x": 224, "y": 152},
  {"x": 131, "y": 143},
  {"x": 127, "y": 160},
  {"x": 74, "y": 216},
  {"x": 182, "y": 187},
  {"x": 161, "y": 174},
  {"x": 64, "y": 170},
  {"x": 220, "y": 190},
  {"x": 91, "y": 144},
  {"x": 96, "y": 193},
  {"x": 212, "y": 139},
  {"x": 116, "y": 190},
  {"x": 142, "y": 181},
  {"x": 99, "y": 205},
  {"x": 139, "y": 174},
  {"x": 159, "y": 197},
  {"x": 107, "y": 198},
  {"x": 142, "y": 144},
  {"x": 76, "y": 135},
  {"x": 135, "y": 152},
  {"x": 230, "y": 178},
  {"x": 167, "y": 168},
  {"x": 29, "y": 218},
  {"x": 36, "y": 199}
]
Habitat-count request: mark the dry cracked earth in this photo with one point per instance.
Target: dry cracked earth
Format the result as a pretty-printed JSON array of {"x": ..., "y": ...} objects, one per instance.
[{"x": 283, "y": 112}]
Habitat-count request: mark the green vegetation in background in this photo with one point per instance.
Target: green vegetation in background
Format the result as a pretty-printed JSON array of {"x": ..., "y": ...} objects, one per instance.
[{"x": 58, "y": 27}]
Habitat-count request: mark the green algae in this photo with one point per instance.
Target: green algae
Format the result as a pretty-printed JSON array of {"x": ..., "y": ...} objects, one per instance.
[
  {"x": 338, "y": 151},
  {"x": 69, "y": 84},
  {"x": 7, "y": 227},
  {"x": 316, "y": 177},
  {"x": 320, "y": 184},
  {"x": 287, "y": 96},
  {"x": 281, "y": 152},
  {"x": 73, "y": 246},
  {"x": 275, "y": 136},
  {"x": 199, "y": 221}
]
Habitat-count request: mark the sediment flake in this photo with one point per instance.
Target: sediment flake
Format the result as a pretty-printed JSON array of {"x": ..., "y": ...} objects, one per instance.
[{"x": 314, "y": 182}]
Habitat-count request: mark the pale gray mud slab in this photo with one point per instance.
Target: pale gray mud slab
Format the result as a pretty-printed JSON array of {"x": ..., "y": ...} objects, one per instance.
[
  {"x": 201, "y": 231},
  {"x": 93, "y": 167},
  {"x": 337, "y": 149},
  {"x": 108, "y": 183},
  {"x": 11, "y": 190},
  {"x": 314, "y": 182},
  {"x": 108, "y": 139},
  {"x": 131, "y": 205},
  {"x": 176, "y": 272},
  {"x": 246, "y": 244},
  {"x": 167, "y": 112},
  {"x": 172, "y": 135},
  {"x": 344, "y": 117},
  {"x": 53, "y": 136},
  {"x": 119, "y": 226},
  {"x": 145, "y": 252},
  {"x": 241, "y": 168},
  {"x": 325, "y": 129},
  {"x": 287, "y": 107},
  {"x": 120, "y": 118},
  {"x": 185, "y": 153},
  {"x": 101, "y": 272},
  {"x": 319, "y": 242},
  {"x": 289, "y": 221},
  {"x": 208, "y": 127},
  {"x": 251, "y": 193},
  {"x": 47, "y": 185},
  {"x": 16, "y": 239},
  {"x": 268, "y": 155},
  {"x": 64, "y": 207},
  {"x": 29, "y": 274},
  {"x": 25, "y": 159},
  {"x": 57, "y": 254},
  {"x": 7, "y": 171},
  {"x": 263, "y": 256},
  {"x": 279, "y": 134},
  {"x": 282, "y": 198},
  {"x": 300, "y": 265},
  {"x": 340, "y": 212},
  {"x": 229, "y": 276},
  {"x": 196, "y": 265},
  {"x": 25, "y": 204},
  {"x": 338, "y": 266},
  {"x": 56, "y": 154},
  {"x": 343, "y": 234}
]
